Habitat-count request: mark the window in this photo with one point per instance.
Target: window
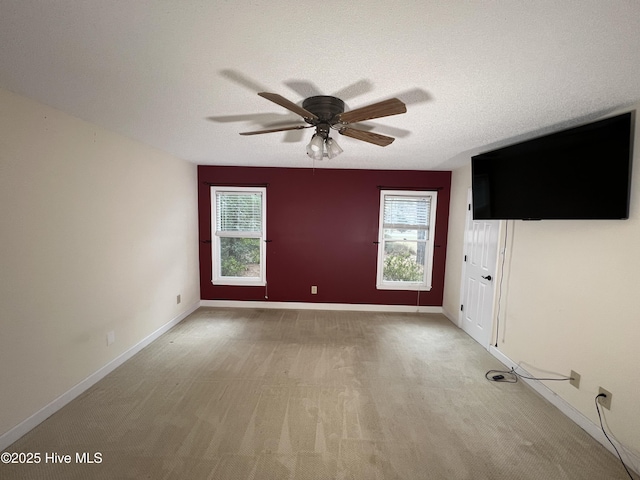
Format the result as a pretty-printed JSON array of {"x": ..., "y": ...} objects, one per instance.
[
  {"x": 405, "y": 239},
  {"x": 238, "y": 229}
]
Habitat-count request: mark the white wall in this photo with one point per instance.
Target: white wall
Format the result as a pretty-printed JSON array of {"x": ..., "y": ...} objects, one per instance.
[
  {"x": 570, "y": 302},
  {"x": 98, "y": 234}
]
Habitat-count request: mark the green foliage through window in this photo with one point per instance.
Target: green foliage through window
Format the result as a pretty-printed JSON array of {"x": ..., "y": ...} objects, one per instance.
[
  {"x": 402, "y": 267},
  {"x": 238, "y": 255}
]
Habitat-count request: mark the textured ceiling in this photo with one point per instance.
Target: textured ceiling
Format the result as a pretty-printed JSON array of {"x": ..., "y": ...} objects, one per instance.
[{"x": 183, "y": 75}]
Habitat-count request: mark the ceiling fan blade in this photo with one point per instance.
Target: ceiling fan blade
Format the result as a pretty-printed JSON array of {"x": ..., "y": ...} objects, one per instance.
[
  {"x": 288, "y": 104},
  {"x": 393, "y": 106},
  {"x": 281, "y": 129},
  {"x": 370, "y": 137}
]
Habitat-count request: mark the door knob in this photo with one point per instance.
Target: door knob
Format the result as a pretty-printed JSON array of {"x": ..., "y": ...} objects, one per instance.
[{"x": 488, "y": 277}]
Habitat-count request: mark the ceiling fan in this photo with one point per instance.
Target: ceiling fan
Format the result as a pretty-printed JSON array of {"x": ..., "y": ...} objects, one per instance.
[{"x": 326, "y": 112}]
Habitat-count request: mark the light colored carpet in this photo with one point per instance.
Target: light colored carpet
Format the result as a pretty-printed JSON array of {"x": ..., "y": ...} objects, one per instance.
[{"x": 285, "y": 394}]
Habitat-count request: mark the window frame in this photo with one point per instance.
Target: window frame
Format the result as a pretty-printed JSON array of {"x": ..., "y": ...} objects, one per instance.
[
  {"x": 427, "y": 281},
  {"x": 216, "y": 236}
]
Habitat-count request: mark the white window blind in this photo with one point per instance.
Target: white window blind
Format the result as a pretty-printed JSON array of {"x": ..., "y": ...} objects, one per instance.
[
  {"x": 404, "y": 212},
  {"x": 238, "y": 212}
]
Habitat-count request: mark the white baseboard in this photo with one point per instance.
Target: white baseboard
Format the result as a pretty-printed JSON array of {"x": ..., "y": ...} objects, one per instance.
[
  {"x": 630, "y": 458},
  {"x": 45, "y": 412},
  {"x": 321, "y": 306}
]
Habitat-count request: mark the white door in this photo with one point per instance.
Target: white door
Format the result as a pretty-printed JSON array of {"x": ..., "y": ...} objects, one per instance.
[{"x": 479, "y": 276}]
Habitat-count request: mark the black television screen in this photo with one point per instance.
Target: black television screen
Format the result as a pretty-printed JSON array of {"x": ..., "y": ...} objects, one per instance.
[{"x": 580, "y": 173}]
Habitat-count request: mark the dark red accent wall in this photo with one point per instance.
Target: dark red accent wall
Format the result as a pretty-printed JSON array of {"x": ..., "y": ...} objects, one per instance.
[{"x": 322, "y": 225}]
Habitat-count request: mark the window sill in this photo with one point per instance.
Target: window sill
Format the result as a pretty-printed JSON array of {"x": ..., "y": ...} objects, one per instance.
[
  {"x": 239, "y": 283},
  {"x": 404, "y": 286}
]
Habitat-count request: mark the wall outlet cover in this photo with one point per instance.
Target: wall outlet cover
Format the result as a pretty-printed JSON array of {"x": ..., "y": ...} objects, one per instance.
[
  {"x": 575, "y": 379},
  {"x": 605, "y": 401}
]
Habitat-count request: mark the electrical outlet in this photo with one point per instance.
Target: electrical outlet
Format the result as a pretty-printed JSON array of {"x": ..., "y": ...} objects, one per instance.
[
  {"x": 178, "y": 299},
  {"x": 575, "y": 379},
  {"x": 314, "y": 289},
  {"x": 111, "y": 337},
  {"x": 605, "y": 401}
]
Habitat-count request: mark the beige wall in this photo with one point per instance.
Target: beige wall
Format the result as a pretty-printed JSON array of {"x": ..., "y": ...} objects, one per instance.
[
  {"x": 98, "y": 234},
  {"x": 460, "y": 184},
  {"x": 569, "y": 302}
]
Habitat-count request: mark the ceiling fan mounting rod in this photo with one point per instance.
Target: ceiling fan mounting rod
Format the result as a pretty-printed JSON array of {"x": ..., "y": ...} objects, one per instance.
[{"x": 322, "y": 129}]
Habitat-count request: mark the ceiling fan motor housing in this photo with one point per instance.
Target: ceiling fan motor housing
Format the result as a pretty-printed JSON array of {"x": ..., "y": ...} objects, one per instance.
[{"x": 324, "y": 107}]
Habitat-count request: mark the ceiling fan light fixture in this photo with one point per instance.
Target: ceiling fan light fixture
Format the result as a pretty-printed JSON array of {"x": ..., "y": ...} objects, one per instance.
[
  {"x": 316, "y": 143},
  {"x": 315, "y": 149},
  {"x": 333, "y": 149}
]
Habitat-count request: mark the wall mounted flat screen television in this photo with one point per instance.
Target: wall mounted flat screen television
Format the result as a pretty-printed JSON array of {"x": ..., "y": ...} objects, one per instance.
[{"x": 576, "y": 174}]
